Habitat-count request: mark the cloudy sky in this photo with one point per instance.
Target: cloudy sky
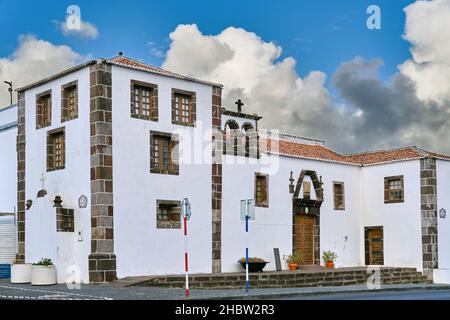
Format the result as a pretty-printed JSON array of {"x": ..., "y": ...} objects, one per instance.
[{"x": 310, "y": 68}]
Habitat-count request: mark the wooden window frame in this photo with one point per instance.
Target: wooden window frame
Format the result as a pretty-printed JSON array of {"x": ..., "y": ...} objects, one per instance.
[
  {"x": 44, "y": 109},
  {"x": 69, "y": 111},
  {"x": 178, "y": 108},
  {"x": 141, "y": 87},
  {"x": 52, "y": 164},
  {"x": 263, "y": 203},
  {"x": 389, "y": 193},
  {"x": 336, "y": 203},
  {"x": 157, "y": 158}
]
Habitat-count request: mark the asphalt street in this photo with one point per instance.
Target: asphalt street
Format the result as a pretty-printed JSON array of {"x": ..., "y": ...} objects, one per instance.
[{"x": 109, "y": 292}]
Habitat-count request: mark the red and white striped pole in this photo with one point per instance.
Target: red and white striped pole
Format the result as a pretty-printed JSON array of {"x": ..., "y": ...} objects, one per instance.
[{"x": 186, "y": 264}]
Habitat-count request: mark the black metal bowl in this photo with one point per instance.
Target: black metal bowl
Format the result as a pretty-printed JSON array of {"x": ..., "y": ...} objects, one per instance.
[{"x": 254, "y": 266}]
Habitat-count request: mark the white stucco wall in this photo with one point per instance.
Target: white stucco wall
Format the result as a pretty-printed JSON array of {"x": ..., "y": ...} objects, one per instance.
[
  {"x": 340, "y": 230},
  {"x": 141, "y": 248},
  {"x": 69, "y": 183},
  {"x": 401, "y": 222},
  {"x": 8, "y": 160}
]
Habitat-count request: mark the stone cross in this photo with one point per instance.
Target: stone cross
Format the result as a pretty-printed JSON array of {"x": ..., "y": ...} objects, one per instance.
[
  {"x": 42, "y": 180},
  {"x": 239, "y": 104}
]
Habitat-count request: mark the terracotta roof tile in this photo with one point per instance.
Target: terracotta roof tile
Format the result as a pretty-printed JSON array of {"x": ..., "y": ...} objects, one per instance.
[
  {"x": 137, "y": 65},
  {"x": 386, "y": 156},
  {"x": 322, "y": 153},
  {"x": 303, "y": 150}
]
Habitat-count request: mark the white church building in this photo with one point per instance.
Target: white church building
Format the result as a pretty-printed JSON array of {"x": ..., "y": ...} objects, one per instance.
[{"x": 101, "y": 155}]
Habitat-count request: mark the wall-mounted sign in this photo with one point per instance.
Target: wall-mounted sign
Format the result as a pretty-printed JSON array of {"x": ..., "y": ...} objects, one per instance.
[
  {"x": 442, "y": 213},
  {"x": 248, "y": 208},
  {"x": 82, "y": 202},
  {"x": 186, "y": 208}
]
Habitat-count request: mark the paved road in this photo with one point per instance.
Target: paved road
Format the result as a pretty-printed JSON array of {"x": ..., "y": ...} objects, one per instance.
[
  {"x": 389, "y": 295},
  {"x": 108, "y": 292}
]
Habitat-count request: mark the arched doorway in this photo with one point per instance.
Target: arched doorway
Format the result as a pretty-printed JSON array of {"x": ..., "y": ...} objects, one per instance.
[{"x": 306, "y": 219}]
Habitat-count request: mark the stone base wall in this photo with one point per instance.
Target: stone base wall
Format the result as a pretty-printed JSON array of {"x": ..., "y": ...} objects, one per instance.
[
  {"x": 102, "y": 267},
  {"x": 289, "y": 279}
]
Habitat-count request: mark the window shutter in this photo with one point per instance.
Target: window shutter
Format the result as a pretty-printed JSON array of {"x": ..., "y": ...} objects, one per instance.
[
  {"x": 132, "y": 98},
  {"x": 154, "y": 104}
]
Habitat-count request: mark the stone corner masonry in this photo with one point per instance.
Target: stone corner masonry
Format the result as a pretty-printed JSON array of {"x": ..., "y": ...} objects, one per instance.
[
  {"x": 102, "y": 260},
  {"x": 429, "y": 214},
  {"x": 20, "y": 148},
  {"x": 217, "y": 181}
]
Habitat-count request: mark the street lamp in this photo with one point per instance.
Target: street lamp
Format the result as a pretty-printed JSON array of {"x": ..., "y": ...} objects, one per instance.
[{"x": 10, "y": 89}]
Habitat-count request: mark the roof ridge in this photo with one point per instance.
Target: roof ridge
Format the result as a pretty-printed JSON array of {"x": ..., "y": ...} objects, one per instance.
[
  {"x": 423, "y": 152},
  {"x": 143, "y": 62},
  {"x": 379, "y": 150},
  {"x": 146, "y": 67}
]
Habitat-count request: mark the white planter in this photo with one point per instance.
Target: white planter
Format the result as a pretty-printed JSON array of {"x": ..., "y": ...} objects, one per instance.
[
  {"x": 21, "y": 273},
  {"x": 43, "y": 275}
]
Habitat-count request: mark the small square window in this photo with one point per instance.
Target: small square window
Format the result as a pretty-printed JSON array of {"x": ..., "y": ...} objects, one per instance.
[{"x": 168, "y": 214}]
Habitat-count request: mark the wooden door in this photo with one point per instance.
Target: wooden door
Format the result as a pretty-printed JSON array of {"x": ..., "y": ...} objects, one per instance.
[
  {"x": 304, "y": 238},
  {"x": 374, "y": 246}
]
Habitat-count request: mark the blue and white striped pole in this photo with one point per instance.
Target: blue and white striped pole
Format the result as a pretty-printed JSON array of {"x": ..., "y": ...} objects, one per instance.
[{"x": 246, "y": 249}]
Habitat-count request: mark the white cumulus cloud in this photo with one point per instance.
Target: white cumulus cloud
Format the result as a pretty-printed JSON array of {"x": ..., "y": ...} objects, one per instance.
[
  {"x": 86, "y": 30},
  {"x": 428, "y": 30},
  {"x": 33, "y": 60},
  {"x": 411, "y": 108}
]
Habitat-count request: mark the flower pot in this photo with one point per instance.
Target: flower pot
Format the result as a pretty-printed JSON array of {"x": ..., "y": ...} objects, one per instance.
[
  {"x": 293, "y": 266},
  {"x": 43, "y": 275},
  {"x": 21, "y": 273},
  {"x": 329, "y": 264},
  {"x": 254, "y": 266}
]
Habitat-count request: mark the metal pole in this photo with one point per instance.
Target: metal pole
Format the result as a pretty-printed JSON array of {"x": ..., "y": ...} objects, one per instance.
[
  {"x": 186, "y": 265},
  {"x": 246, "y": 249}
]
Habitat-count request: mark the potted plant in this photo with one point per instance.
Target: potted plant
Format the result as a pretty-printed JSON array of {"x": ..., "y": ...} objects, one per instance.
[
  {"x": 43, "y": 273},
  {"x": 20, "y": 272},
  {"x": 293, "y": 260},
  {"x": 254, "y": 264},
  {"x": 329, "y": 257}
]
